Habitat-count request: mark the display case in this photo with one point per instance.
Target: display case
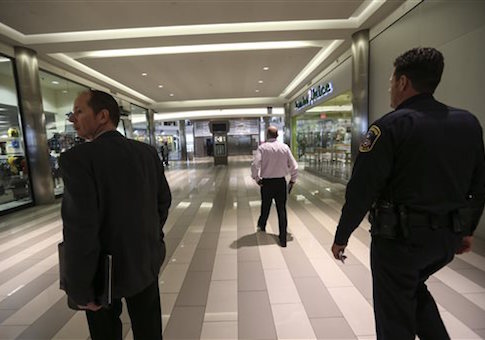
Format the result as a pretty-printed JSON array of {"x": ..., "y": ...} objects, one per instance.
[{"x": 15, "y": 188}]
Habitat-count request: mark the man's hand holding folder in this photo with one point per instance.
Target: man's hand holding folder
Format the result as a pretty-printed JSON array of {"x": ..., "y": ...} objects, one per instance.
[{"x": 102, "y": 282}]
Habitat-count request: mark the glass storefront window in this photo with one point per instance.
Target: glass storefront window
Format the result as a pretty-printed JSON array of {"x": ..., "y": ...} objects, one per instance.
[
  {"x": 278, "y": 122},
  {"x": 243, "y": 136},
  {"x": 140, "y": 124},
  {"x": 14, "y": 175},
  {"x": 168, "y": 132},
  {"x": 58, "y": 95},
  {"x": 323, "y": 136}
]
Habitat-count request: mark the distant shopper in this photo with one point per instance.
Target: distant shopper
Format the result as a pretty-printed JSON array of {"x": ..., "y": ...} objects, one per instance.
[
  {"x": 421, "y": 172},
  {"x": 272, "y": 162},
  {"x": 164, "y": 151},
  {"x": 116, "y": 201},
  {"x": 301, "y": 148}
]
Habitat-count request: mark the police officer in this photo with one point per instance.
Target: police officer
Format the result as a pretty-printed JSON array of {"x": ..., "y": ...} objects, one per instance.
[{"x": 421, "y": 172}]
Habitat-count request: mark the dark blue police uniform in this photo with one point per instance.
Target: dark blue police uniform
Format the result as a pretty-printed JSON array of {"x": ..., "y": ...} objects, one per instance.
[{"x": 421, "y": 172}]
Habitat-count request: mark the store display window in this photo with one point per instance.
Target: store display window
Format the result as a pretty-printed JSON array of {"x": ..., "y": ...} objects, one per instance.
[
  {"x": 14, "y": 173},
  {"x": 58, "y": 95},
  {"x": 168, "y": 132},
  {"x": 278, "y": 122},
  {"x": 323, "y": 136}
]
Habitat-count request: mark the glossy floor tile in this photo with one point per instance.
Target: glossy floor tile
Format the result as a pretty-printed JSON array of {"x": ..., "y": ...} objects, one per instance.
[{"x": 224, "y": 279}]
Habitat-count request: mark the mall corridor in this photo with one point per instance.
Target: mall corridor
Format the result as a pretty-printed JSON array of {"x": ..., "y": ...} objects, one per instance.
[{"x": 222, "y": 279}]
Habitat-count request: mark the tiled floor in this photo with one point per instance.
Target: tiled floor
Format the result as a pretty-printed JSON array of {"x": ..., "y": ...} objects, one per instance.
[{"x": 224, "y": 280}]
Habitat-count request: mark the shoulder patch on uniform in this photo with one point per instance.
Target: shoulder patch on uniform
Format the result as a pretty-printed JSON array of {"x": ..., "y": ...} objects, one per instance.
[{"x": 370, "y": 139}]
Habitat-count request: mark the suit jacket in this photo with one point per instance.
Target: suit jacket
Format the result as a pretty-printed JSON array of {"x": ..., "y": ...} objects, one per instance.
[{"x": 116, "y": 201}]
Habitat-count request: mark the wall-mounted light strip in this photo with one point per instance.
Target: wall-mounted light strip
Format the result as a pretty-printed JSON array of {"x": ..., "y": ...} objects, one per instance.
[{"x": 331, "y": 108}]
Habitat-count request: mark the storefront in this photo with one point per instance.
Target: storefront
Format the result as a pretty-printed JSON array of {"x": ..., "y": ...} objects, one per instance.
[
  {"x": 167, "y": 132},
  {"x": 322, "y": 125},
  {"x": 15, "y": 187},
  {"x": 58, "y": 95},
  {"x": 278, "y": 122},
  {"x": 243, "y": 137}
]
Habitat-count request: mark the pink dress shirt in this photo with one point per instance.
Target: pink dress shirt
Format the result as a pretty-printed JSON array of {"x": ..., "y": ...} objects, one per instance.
[{"x": 273, "y": 159}]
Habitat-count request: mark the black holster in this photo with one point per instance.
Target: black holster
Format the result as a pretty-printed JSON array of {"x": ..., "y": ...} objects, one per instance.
[{"x": 389, "y": 221}]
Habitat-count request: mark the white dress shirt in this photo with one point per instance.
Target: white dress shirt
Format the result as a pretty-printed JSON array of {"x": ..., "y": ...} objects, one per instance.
[{"x": 273, "y": 159}]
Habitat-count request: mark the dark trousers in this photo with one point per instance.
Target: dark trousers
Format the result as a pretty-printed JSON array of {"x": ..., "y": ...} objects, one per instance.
[
  {"x": 274, "y": 188},
  {"x": 145, "y": 314},
  {"x": 403, "y": 306}
]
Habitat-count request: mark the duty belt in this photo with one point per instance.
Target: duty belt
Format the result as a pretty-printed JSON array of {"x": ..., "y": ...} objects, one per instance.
[{"x": 424, "y": 219}]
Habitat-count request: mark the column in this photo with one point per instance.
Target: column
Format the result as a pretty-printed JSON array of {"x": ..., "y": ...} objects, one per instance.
[
  {"x": 151, "y": 127},
  {"x": 183, "y": 140},
  {"x": 287, "y": 136},
  {"x": 128, "y": 127},
  {"x": 30, "y": 101},
  {"x": 360, "y": 88},
  {"x": 266, "y": 126}
]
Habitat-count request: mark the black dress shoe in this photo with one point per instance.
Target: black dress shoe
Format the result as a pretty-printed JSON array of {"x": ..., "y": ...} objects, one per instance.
[{"x": 282, "y": 242}]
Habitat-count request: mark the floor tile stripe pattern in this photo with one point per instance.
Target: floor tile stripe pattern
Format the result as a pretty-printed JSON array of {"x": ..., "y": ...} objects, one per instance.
[{"x": 223, "y": 279}]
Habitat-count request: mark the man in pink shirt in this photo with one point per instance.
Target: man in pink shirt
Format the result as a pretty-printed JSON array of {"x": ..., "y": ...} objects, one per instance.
[{"x": 272, "y": 162}]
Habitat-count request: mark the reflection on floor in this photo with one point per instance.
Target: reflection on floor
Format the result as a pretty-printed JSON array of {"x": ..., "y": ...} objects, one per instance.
[{"x": 224, "y": 280}]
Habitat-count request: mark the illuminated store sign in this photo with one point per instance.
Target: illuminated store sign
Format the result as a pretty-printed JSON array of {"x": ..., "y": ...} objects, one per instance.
[{"x": 314, "y": 94}]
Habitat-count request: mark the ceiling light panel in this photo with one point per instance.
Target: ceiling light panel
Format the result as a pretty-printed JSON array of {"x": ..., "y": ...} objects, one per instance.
[{"x": 253, "y": 46}]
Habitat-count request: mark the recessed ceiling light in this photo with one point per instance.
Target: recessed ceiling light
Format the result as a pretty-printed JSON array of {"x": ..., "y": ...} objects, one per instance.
[
  {"x": 260, "y": 81},
  {"x": 256, "y": 91},
  {"x": 160, "y": 86},
  {"x": 266, "y": 68},
  {"x": 144, "y": 74},
  {"x": 64, "y": 91},
  {"x": 171, "y": 95},
  {"x": 55, "y": 82}
]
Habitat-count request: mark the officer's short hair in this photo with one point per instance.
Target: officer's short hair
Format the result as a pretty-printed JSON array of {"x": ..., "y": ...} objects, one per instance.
[
  {"x": 99, "y": 100},
  {"x": 423, "y": 66}
]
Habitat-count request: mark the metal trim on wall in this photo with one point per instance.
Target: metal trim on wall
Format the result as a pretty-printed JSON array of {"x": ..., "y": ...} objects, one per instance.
[{"x": 30, "y": 101}]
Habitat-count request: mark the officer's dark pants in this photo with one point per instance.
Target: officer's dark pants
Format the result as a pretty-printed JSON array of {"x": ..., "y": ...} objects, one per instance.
[
  {"x": 403, "y": 306},
  {"x": 274, "y": 188},
  {"x": 145, "y": 315}
]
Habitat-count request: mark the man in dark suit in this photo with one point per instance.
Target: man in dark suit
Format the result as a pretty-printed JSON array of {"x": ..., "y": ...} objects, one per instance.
[{"x": 116, "y": 201}]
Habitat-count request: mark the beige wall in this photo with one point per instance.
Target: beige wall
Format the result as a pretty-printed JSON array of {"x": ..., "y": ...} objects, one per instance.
[{"x": 457, "y": 29}]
